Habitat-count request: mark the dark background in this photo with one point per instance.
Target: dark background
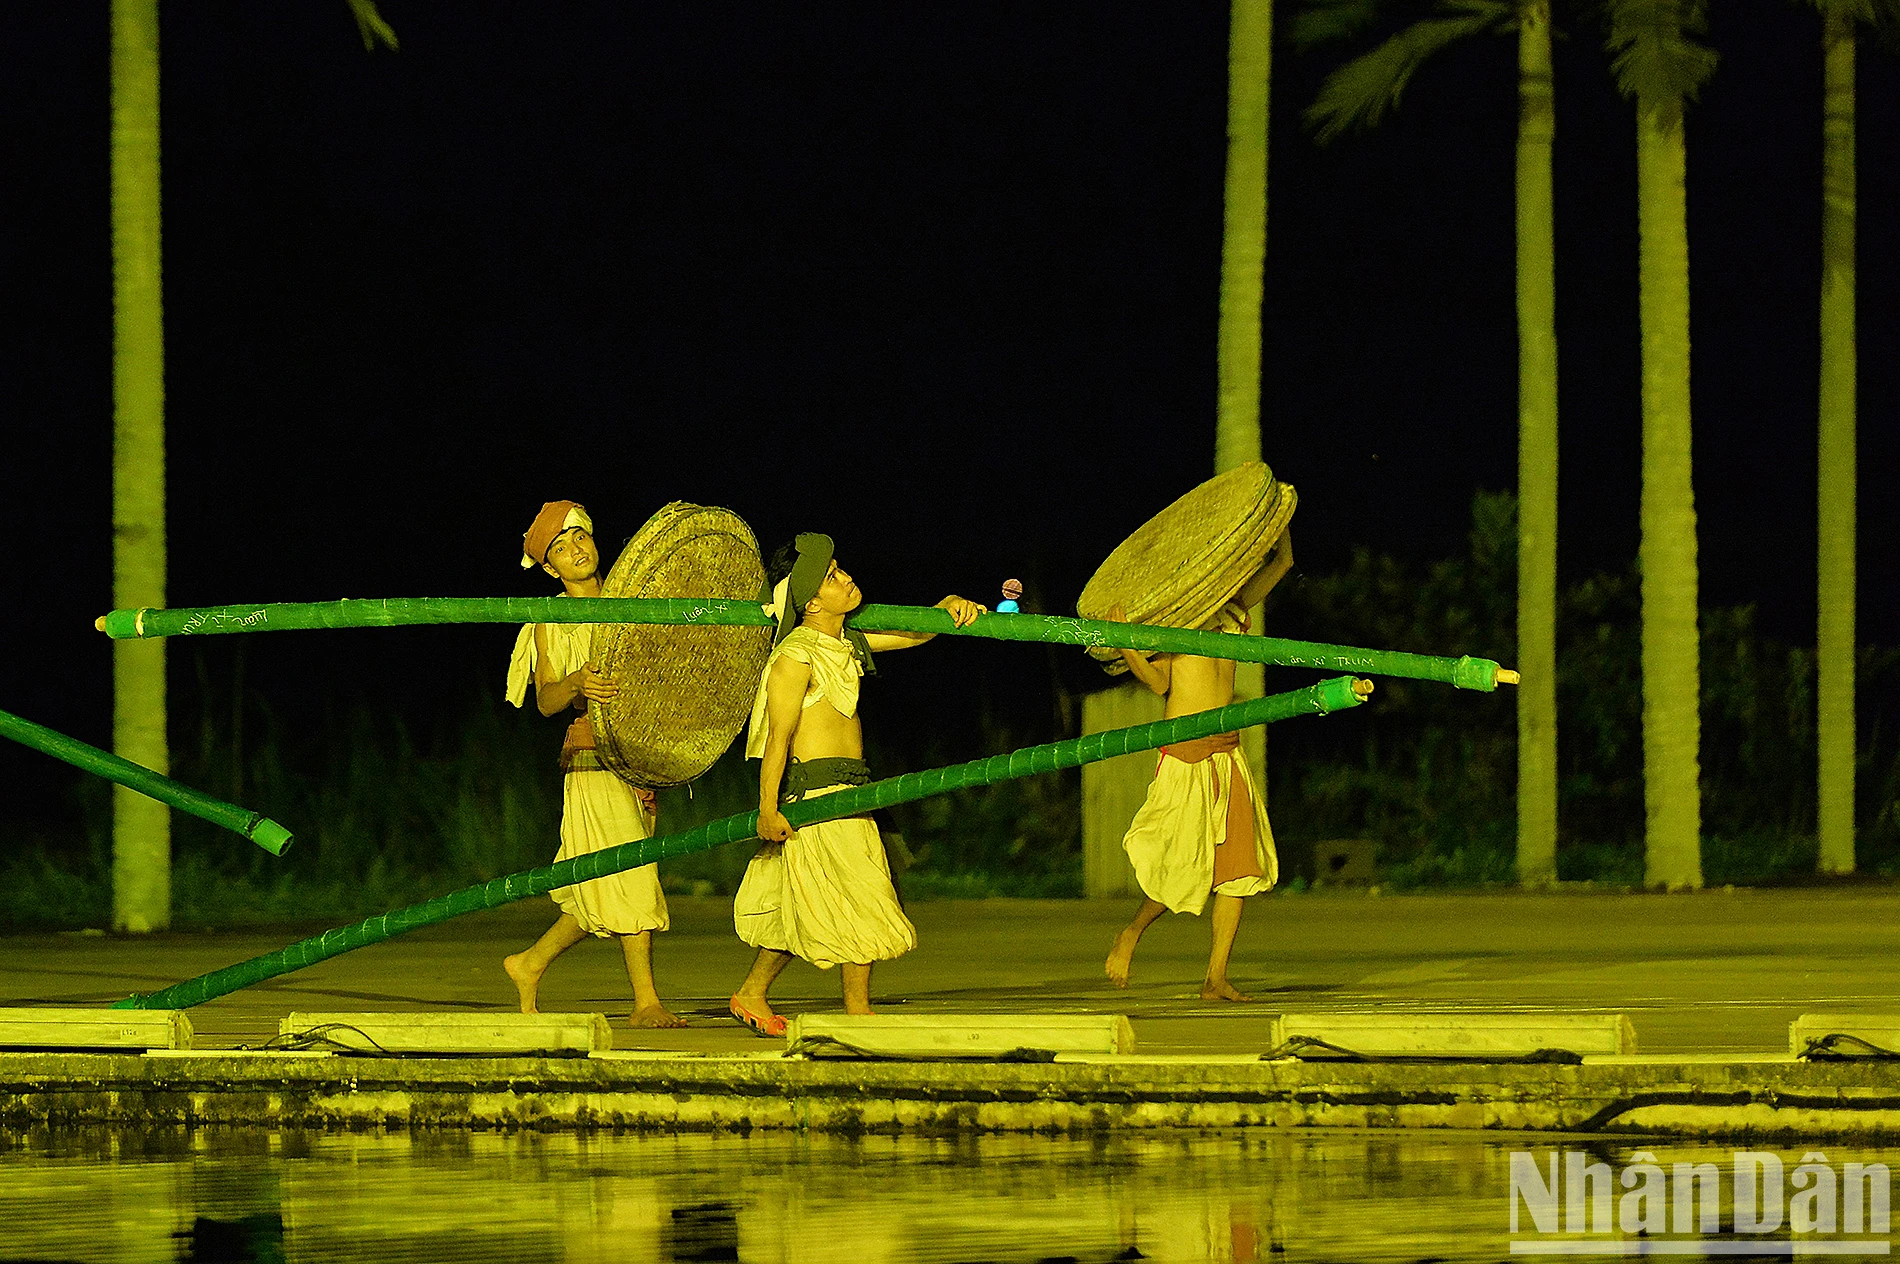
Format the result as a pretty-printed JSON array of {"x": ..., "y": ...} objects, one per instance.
[{"x": 940, "y": 280}]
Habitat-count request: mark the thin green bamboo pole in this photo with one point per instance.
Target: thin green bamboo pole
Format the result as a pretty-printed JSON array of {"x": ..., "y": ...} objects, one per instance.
[
  {"x": 1466, "y": 673},
  {"x": 260, "y": 829},
  {"x": 1320, "y": 699}
]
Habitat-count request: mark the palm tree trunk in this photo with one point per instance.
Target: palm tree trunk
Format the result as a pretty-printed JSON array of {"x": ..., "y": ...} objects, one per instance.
[
  {"x": 141, "y": 827},
  {"x": 1243, "y": 260},
  {"x": 1835, "y": 634},
  {"x": 1536, "y": 454},
  {"x": 1113, "y": 789},
  {"x": 1244, "y": 241},
  {"x": 1672, "y": 724}
]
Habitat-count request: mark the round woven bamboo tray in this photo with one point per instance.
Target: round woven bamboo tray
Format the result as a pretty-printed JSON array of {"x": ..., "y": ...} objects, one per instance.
[
  {"x": 685, "y": 692},
  {"x": 1181, "y": 566}
]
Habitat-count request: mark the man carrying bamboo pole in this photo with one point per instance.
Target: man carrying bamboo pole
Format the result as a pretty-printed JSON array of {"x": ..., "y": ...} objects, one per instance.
[
  {"x": 822, "y": 893},
  {"x": 598, "y": 809},
  {"x": 1202, "y": 830}
]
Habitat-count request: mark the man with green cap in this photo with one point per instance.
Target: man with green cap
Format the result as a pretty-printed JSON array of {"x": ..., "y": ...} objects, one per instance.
[{"x": 823, "y": 892}]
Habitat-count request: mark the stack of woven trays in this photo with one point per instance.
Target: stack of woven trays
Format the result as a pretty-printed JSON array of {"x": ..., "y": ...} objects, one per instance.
[
  {"x": 685, "y": 691},
  {"x": 1182, "y": 565}
]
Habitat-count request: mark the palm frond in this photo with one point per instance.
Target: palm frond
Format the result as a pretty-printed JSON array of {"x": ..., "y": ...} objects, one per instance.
[
  {"x": 1318, "y": 22},
  {"x": 1884, "y": 18},
  {"x": 1367, "y": 88},
  {"x": 370, "y": 25},
  {"x": 1502, "y": 14},
  {"x": 1867, "y": 11},
  {"x": 1656, "y": 58}
]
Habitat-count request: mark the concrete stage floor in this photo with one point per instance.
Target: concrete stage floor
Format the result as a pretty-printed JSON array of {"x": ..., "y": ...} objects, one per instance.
[
  {"x": 1714, "y": 972},
  {"x": 1710, "y": 982}
]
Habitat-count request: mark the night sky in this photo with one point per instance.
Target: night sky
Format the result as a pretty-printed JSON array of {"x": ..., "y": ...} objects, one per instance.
[{"x": 940, "y": 280}]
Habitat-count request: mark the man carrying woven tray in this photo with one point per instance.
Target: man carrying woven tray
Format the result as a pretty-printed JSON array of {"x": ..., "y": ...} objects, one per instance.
[
  {"x": 1202, "y": 829},
  {"x": 598, "y": 809},
  {"x": 824, "y": 892}
]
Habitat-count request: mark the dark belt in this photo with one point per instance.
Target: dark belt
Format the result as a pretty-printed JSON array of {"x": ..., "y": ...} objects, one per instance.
[{"x": 802, "y": 776}]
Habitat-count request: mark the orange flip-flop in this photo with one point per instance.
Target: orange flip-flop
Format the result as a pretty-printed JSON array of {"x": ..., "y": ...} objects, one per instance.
[{"x": 769, "y": 1027}]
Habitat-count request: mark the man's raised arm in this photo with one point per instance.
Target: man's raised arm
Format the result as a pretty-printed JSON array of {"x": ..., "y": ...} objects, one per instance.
[
  {"x": 963, "y": 613},
  {"x": 1157, "y": 674}
]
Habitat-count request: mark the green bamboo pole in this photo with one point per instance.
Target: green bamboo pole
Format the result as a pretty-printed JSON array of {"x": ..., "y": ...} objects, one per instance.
[
  {"x": 261, "y": 830},
  {"x": 1466, "y": 673},
  {"x": 1320, "y": 699}
]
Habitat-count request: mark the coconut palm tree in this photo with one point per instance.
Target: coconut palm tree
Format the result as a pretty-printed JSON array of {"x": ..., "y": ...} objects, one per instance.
[
  {"x": 1243, "y": 261},
  {"x": 1660, "y": 65},
  {"x": 1113, "y": 790},
  {"x": 1359, "y": 94},
  {"x": 1835, "y": 635},
  {"x": 141, "y": 827}
]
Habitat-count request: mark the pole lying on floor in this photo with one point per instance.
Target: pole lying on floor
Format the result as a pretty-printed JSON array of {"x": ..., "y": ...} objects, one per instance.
[
  {"x": 1465, "y": 673},
  {"x": 260, "y": 829},
  {"x": 1320, "y": 699}
]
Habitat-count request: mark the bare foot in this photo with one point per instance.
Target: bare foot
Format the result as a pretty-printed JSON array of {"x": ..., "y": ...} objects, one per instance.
[
  {"x": 1121, "y": 958},
  {"x": 1222, "y": 990},
  {"x": 527, "y": 980},
  {"x": 655, "y": 1015}
]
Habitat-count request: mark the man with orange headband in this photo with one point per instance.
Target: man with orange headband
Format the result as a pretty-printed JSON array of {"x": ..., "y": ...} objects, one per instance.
[
  {"x": 598, "y": 809},
  {"x": 823, "y": 892}
]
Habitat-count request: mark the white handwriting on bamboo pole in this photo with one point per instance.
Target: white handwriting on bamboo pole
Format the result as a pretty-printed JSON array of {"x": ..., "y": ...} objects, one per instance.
[{"x": 214, "y": 620}]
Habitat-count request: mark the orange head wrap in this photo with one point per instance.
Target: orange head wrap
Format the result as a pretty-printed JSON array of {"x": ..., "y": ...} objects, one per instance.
[{"x": 555, "y": 517}]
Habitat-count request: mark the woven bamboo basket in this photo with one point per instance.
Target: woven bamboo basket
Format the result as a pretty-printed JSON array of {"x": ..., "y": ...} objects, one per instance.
[
  {"x": 1181, "y": 566},
  {"x": 685, "y": 692}
]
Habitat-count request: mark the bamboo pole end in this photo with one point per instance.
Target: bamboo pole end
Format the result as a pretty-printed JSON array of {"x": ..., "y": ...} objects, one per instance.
[
  {"x": 1508, "y": 677},
  {"x": 99, "y": 623},
  {"x": 1363, "y": 688}
]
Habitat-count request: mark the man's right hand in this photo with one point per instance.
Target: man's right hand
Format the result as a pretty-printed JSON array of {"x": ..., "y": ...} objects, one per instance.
[
  {"x": 596, "y": 686},
  {"x": 773, "y": 827}
]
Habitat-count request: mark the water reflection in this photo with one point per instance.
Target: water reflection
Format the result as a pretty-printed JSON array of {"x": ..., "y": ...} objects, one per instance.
[
  {"x": 258, "y": 1237},
  {"x": 1289, "y": 1196}
]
